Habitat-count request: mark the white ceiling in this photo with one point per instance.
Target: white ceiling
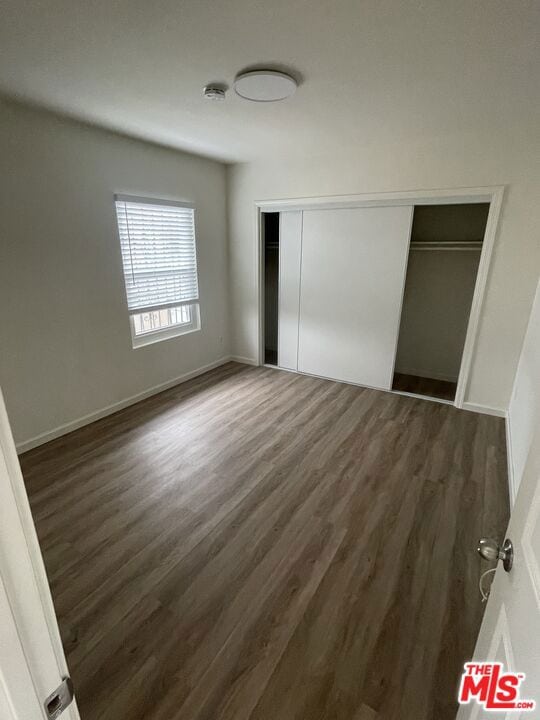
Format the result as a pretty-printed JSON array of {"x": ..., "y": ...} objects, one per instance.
[{"x": 386, "y": 68}]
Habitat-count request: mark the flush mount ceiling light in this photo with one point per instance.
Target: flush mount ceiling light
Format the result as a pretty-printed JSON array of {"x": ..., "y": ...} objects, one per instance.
[{"x": 264, "y": 85}]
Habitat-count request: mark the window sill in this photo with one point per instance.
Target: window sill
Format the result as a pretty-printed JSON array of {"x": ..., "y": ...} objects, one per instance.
[{"x": 150, "y": 338}]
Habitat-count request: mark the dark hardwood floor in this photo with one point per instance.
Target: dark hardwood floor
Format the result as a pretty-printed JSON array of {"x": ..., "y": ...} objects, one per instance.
[
  {"x": 425, "y": 386},
  {"x": 260, "y": 545}
]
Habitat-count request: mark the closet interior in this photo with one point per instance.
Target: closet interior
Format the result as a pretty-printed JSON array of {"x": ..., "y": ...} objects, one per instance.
[
  {"x": 444, "y": 254},
  {"x": 376, "y": 295},
  {"x": 271, "y": 286}
]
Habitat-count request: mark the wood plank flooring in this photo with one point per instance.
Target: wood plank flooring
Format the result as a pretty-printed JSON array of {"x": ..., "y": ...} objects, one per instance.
[
  {"x": 424, "y": 386},
  {"x": 261, "y": 545}
]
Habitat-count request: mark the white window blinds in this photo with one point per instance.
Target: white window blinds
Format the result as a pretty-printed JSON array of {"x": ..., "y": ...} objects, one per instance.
[{"x": 158, "y": 251}]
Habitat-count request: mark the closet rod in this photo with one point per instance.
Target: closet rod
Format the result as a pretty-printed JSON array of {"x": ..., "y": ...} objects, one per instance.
[{"x": 460, "y": 245}]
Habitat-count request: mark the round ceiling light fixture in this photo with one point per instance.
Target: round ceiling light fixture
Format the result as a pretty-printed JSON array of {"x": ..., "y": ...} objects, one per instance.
[{"x": 264, "y": 85}]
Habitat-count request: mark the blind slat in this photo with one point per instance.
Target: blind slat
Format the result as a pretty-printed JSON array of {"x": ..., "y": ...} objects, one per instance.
[{"x": 158, "y": 253}]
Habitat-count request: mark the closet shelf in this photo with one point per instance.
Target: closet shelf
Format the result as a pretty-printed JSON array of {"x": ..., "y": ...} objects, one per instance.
[{"x": 475, "y": 245}]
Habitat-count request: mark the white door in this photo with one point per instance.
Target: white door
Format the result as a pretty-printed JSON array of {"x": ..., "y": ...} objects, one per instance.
[
  {"x": 510, "y": 632},
  {"x": 353, "y": 273},
  {"x": 290, "y": 248},
  {"x": 32, "y": 661}
]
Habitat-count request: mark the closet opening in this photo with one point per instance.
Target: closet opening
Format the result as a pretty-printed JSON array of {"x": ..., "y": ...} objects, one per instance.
[
  {"x": 444, "y": 255},
  {"x": 271, "y": 286}
]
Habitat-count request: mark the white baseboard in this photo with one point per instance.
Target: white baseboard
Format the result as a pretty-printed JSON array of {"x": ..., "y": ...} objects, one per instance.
[
  {"x": 510, "y": 460},
  {"x": 484, "y": 409},
  {"x": 110, "y": 409},
  {"x": 243, "y": 360}
]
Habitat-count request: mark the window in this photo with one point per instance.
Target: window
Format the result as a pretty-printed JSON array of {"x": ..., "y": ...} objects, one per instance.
[{"x": 159, "y": 256}]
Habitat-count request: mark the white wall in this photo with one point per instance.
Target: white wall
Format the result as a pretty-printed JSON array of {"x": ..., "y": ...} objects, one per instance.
[
  {"x": 524, "y": 409},
  {"x": 455, "y": 159},
  {"x": 65, "y": 345}
]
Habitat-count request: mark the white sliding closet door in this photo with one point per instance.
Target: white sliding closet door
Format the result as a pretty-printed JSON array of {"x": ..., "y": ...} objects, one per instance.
[
  {"x": 353, "y": 273},
  {"x": 290, "y": 248}
]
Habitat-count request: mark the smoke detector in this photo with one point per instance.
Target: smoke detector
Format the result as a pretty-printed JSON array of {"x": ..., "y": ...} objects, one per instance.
[
  {"x": 264, "y": 85},
  {"x": 214, "y": 92}
]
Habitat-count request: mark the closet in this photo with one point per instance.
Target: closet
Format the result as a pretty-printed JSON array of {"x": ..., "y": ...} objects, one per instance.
[
  {"x": 378, "y": 296},
  {"x": 271, "y": 285},
  {"x": 444, "y": 254},
  {"x": 351, "y": 286}
]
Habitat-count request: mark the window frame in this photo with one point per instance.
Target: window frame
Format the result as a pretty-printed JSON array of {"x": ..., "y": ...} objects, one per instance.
[
  {"x": 171, "y": 331},
  {"x": 166, "y": 333}
]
